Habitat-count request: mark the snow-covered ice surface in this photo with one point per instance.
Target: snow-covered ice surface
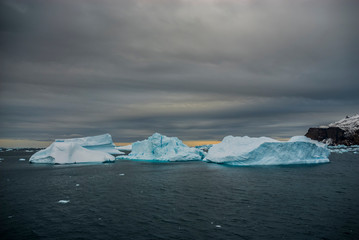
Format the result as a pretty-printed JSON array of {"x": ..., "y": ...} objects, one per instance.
[
  {"x": 69, "y": 152},
  {"x": 348, "y": 124},
  {"x": 161, "y": 148},
  {"x": 102, "y": 143},
  {"x": 344, "y": 149},
  {"x": 247, "y": 151}
]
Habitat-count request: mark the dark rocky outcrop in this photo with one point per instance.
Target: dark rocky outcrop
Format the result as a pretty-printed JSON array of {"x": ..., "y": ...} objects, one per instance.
[{"x": 333, "y": 136}]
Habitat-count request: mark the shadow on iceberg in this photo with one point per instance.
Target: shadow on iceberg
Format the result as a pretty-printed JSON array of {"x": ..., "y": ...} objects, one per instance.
[
  {"x": 162, "y": 148},
  {"x": 246, "y": 151}
]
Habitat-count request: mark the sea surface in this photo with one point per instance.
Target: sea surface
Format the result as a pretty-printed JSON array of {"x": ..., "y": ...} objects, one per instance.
[{"x": 178, "y": 200}]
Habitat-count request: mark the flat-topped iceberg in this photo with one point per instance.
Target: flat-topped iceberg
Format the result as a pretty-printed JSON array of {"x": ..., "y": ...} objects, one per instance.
[
  {"x": 162, "y": 148},
  {"x": 247, "y": 151},
  {"x": 69, "y": 152},
  {"x": 102, "y": 143}
]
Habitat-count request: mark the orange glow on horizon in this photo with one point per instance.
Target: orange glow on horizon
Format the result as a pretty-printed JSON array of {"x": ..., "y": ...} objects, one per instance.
[{"x": 188, "y": 143}]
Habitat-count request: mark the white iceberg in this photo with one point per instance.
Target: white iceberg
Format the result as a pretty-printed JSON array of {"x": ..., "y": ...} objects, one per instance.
[
  {"x": 102, "y": 143},
  {"x": 247, "y": 151},
  {"x": 69, "y": 152},
  {"x": 162, "y": 148}
]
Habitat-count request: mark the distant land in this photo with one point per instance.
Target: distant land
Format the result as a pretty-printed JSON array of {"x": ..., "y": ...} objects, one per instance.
[{"x": 342, "y": 132}]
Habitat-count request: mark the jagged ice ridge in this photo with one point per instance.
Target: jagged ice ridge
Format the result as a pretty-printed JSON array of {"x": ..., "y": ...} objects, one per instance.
[{"x": 162, "y": 148}]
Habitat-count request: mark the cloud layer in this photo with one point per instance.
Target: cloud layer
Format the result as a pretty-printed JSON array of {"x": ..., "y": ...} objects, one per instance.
[{"x": 192, "y": 69}]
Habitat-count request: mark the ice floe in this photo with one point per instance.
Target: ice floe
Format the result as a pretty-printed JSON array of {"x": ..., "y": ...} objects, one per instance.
[{"x": 344, "y": 149}]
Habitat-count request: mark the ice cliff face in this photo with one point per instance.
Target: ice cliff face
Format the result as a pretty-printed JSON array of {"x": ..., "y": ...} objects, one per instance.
[
  {"x": 102, "y": 143},
  {"x": 69, "y": 152},
  {"x": 246, "y": 151},
  {"x": 161, "y": 148}
]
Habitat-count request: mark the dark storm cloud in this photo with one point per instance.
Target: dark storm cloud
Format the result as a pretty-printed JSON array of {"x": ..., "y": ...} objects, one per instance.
[{"x": 192, "y": 69}]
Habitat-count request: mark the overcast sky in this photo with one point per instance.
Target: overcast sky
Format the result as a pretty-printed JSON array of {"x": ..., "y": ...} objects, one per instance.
[{"x": 195, "y": 69}]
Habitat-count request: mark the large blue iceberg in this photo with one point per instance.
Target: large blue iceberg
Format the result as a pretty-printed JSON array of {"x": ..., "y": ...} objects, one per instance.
[
  {"x": 247, "y": 151},
  {"x": 161, "y": 148}
]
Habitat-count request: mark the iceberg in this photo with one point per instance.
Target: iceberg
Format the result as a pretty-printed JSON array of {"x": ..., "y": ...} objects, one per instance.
[
  {"x": 102, "y": 143},
  {"x": 247, "y": 151},
  {"x": 69, "y": 152},
  {"x": 162, "y": 148}
]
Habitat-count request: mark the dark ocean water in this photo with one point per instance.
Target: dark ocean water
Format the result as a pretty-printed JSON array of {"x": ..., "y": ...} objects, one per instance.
[{"x": 183, "y": 200}]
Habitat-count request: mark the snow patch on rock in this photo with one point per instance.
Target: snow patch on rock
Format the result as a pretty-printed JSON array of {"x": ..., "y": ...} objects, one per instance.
[{"x": 348, "y": 124}]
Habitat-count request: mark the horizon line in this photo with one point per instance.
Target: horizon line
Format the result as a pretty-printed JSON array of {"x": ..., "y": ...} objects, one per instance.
[{"x": 28, "y": 143}]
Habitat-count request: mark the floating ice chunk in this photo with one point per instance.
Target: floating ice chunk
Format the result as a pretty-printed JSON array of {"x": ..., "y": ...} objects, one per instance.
[
  {"x": 63, "y": 201},
  {"x": 162, "y": 148},
  {"x": 246, "y": 151},
  {"x": 77, "y": 185},
  {"x": 125, "y": 148},
  {"x": 102, "y": 143},
  {"x": 218, "y": 226},
  {"x": 121, "y": 174},
  {"x": 344, "y": 149},
  {"x": 69, "y": 152},
  {"x": 22, "y": 159}
]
